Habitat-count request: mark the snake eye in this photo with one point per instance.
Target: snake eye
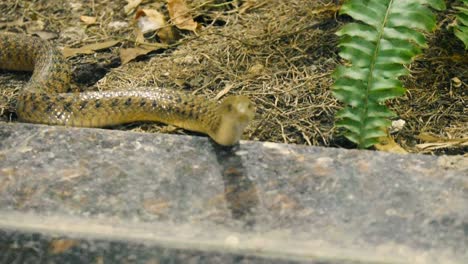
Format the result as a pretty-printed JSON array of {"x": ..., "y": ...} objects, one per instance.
[{"x": 229, "y": 107}]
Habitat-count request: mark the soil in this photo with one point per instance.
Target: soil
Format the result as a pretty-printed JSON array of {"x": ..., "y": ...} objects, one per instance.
[{"x": 280, "y": 53}]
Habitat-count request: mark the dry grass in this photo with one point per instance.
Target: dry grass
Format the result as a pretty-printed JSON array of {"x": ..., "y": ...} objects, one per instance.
[{"x": 280, "y": 53}]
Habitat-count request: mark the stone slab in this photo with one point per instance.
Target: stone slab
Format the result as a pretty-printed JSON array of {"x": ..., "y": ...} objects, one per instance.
[{"x": 113, "y": 196}]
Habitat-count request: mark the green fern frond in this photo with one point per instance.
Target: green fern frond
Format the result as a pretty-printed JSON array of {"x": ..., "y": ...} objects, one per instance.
[
  {"x": 461, "y": 29},
  {"x": 379, "y": 47}
]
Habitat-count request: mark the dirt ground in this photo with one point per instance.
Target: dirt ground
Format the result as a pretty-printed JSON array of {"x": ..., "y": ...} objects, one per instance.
[{"x": 279, "y": 53}]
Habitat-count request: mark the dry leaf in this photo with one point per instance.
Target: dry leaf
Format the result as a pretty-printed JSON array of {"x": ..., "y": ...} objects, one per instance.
[
  {"x": 435, "y": 142},
  {"x": 428, "y": 137},
  {"x": 88, "y": 20},
  {"x": 150, "y": 20},
  {"x": 61, "y": 245},
  {"x": 131, "y": 5},
  {"x": 180, "y": 15},
  {"x": 140, "y": 37},
  {"x": 45, "y": 35},
  {"x": 130, "y": 54},
  {"x": 89, "y": 49},
  {"x": 443, "y": 145},
  {"x": 224, "y": 91}
]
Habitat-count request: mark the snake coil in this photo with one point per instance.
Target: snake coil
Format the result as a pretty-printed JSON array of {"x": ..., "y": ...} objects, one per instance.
[{"x": 48, "y": 99}]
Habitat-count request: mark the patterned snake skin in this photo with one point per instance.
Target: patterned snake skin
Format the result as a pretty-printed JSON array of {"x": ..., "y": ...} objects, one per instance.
[{"x": 47, "y": 98}]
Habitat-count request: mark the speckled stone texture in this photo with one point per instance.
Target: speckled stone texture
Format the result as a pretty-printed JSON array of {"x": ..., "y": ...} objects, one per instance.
[{"x": 71, "y": 195}]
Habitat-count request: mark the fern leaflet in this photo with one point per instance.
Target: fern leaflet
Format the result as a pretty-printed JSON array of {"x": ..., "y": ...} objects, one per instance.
[
  {"x": 461, "y": 29},
  {"x": 386, "y": 39}
]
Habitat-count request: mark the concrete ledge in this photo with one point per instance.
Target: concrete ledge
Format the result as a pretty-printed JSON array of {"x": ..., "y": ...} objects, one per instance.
[{"x": 180, "y": 198}]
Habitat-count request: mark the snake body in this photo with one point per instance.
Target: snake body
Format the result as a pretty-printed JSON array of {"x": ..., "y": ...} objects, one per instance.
[{"x": 47, "y": 98}]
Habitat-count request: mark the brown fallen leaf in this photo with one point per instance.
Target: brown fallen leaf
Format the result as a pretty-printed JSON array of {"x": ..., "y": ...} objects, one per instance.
[
  {"x": 150, "y": 20},
  {"x": 434, "y": 142},
  {"x": 428, "y": 137},
  {"x": 139, "y": 36},
  {"x": 131, "y": 6},
  {"x": 180, "y": 15},
  {"x": 224, "y": 91},
  {"x": 45, "y": 35},
  {"x": 88, "y": 20},
  {"x": 129, "y": 54},
  {"x": 89, "y": 49},
  {"x": 443, "y": 145}
]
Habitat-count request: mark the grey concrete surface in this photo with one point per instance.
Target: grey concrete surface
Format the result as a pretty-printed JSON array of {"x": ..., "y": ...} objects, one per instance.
[{"x": 70, "y": 195}]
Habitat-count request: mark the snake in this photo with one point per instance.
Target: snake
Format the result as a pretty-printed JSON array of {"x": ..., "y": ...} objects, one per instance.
[{"x": 48, "y": 97}]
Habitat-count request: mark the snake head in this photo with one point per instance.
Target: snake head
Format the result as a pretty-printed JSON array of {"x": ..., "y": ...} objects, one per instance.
[{"x": 236, "y": 112}]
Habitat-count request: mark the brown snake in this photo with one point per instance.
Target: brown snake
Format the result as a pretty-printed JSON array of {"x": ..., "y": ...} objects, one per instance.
[{"x": 48, "y": 99}]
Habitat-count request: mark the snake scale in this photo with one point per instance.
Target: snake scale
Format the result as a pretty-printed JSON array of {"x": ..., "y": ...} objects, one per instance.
[{"x": 48, "y": 99}]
